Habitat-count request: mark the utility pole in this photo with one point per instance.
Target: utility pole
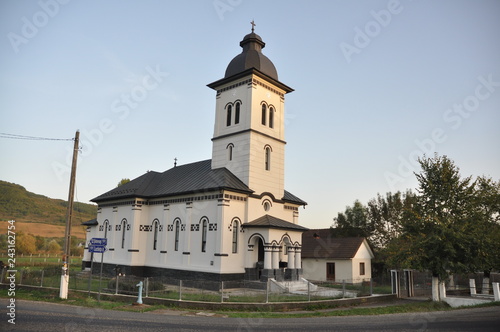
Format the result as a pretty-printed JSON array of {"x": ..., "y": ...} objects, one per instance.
[{"x": 63, "y": 290}]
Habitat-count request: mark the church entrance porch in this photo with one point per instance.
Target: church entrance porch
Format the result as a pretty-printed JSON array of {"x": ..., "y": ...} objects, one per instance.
[{"x": 266, "y": 260}]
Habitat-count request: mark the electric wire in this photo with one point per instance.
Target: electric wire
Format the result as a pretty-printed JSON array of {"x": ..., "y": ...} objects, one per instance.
[{"x": 33, "y": 138}]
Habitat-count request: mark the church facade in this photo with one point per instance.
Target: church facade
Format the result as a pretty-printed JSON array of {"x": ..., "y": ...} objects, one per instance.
[{"x": 227, "y": 218}]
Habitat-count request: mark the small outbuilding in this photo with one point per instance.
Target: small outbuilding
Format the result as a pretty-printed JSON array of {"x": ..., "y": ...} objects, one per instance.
[{"x": 328, "y": 258}]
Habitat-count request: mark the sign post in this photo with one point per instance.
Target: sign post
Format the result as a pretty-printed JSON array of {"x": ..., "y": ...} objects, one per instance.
[{"x": 98, "y": 244}]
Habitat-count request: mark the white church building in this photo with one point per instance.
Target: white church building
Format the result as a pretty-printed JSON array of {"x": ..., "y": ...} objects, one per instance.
[{"x": 227, "y": 218}]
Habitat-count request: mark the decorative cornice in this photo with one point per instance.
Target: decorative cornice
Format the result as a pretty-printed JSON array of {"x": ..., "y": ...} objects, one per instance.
[{"x": 246, "y": 131}]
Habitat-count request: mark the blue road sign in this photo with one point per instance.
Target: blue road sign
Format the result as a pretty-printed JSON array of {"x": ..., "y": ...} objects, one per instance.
[
  {"x": 99, "y": 241},
  {"x": 97, "y": 248}
]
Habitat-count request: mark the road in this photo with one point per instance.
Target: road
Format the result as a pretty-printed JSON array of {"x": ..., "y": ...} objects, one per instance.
[{"x": 39, "y": 316}]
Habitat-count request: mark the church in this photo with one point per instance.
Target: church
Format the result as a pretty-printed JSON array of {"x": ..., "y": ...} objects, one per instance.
[{"x": 226, "y": 218}]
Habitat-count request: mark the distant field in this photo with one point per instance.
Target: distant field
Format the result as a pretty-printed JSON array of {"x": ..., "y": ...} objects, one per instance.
[{"x": 44, "y": 230}]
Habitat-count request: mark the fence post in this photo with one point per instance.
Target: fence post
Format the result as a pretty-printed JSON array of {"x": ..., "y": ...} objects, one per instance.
[
  {"x": 21, "y": 278},
  {"x": 267, "y": 291},
  {"x": 472, "y": 285},
  {"x": 496, "y": 291},
  {"x": 147, "y": 286},
  {"x": 41, "y": 279},
  {"x": 343, "y": 288},
  {"x": 116, "y": 284},
  {"x": 221, "y": 291},
  {"x": 371, "y": 286},
  {"x": 180, "y": 290},
  {"x": 308, "y": 291}
]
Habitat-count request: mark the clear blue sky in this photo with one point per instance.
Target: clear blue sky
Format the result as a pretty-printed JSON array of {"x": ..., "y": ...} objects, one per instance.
[{"x": 377, "y": 84}]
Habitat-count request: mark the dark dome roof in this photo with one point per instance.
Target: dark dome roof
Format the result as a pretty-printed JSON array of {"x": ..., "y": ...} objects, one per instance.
[{"x": 251, "y": 57}]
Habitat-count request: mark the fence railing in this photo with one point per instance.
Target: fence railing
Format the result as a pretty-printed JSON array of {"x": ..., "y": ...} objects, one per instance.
[
  {"x": 195, "y": 290},
  {"x": 237, "y": 291}
]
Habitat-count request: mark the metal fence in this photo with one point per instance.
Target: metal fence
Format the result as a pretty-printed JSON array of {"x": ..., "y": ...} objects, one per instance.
[
  {"x": 246, "y": 291},
  {"x": 195, "y": 290}
]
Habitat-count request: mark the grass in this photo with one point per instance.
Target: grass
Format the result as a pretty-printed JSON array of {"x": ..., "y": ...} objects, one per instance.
[{"x": 82, "y": 299}]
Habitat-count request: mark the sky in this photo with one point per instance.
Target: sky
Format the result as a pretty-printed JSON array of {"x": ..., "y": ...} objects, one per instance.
[{"x": 377, "y": 85}]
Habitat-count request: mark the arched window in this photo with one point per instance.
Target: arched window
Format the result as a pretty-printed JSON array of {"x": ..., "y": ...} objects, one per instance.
[
  {"x": 237, "y": 114},
  {"x": 177, "y": 230},
  {"x": 235, "y": 235},
  {"x": 105, "y": 228},
  {"x": 204, "y": 229},
  {"x": 124, "y": 228},
  {"x": 228, "y": 118},
  {"x": 268, "y": 158},
  {"x": 155, "y": 235},
  {"x": 264, "y": 114},
  {"x": 229, "y": 148},
  {"x": 271, "y": 117}
]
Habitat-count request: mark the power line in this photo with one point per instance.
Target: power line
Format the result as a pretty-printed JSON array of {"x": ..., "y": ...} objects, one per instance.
[{"x": 33, "y": 138}]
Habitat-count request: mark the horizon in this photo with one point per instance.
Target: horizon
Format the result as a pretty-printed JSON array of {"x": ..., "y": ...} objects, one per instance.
[{"x": 377, "y": 85}]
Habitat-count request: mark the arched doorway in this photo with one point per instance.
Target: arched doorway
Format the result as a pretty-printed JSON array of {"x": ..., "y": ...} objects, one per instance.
[{"x": 260, "y": 251}]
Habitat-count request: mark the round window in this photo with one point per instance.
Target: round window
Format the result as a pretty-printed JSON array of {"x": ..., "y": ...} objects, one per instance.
[{"x": 267, "y": 206}]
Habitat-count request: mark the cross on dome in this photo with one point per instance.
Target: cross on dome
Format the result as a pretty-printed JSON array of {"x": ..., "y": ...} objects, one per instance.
[{"x": 253, "y": 25}]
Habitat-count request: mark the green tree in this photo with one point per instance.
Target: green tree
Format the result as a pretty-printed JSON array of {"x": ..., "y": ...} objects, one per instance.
[
  {"x": 385, "y": 215},
  {"x": 353, "y": 222},
  {"x": 40, "y": 243},
  {"x": 53, "y": 247},
  {"x": 485, "y": 227},
  {"x": 25, "y": 243},
  {"x": 123, "y": 181},
  {"x": 436, "y": 231}
]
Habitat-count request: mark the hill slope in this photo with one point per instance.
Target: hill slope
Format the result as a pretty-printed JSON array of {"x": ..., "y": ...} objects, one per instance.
[{"x": 21, "y": 205}]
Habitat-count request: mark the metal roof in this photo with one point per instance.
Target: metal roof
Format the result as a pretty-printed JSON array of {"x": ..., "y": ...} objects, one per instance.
[
  {"x": 268, "y": 221},
  {"x": 91, "y": 222},
  {"x": 196, "y": 177},
  {"x": 185, "y": 179},
  {"x": 251, "y": 57}
]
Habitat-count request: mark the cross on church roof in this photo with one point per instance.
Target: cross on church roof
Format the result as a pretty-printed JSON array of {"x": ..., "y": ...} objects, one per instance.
[
  {"x": 175, "y": 162},
  {"x": 253, "y": 25}
]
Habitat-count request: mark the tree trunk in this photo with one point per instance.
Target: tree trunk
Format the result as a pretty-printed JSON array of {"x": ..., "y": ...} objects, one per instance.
[{"x": 435, "y": 289}]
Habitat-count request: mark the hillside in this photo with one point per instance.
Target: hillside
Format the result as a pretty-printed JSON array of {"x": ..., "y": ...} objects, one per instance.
[{"x": 21, "y": 205}]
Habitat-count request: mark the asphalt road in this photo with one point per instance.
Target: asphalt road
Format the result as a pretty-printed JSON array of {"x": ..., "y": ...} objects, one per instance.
[{"x": 40, "y": 316}]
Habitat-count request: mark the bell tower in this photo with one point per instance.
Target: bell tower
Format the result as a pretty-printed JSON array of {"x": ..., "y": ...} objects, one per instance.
[{"x": 249, "y": 130}]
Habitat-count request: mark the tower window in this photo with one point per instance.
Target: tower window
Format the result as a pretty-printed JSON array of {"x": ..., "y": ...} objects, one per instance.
[
  {"x": 237, "y": 114},
  {"x": 264, "y": 114},
  {"x": 228, "y": 118},
  {"x": 271, "y": 117},
  {"x": 229, "y": 148},
  {"x": 268, "y": 158}
]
